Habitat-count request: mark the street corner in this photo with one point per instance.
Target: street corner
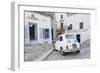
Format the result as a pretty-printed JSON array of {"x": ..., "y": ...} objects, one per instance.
[{"x": 37, "y": 52}]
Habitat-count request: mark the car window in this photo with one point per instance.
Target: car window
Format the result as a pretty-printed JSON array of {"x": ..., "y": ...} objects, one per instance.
[
  {"x": 61, "y": 38},
  {"x": 70, "y": 36}
]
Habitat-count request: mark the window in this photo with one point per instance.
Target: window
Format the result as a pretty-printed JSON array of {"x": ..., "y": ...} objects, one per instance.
[
  {"x": 61, "y": 25},
  {"x": 81, "y": 25},
  {"x": 70, "y": 36},
  {"x": 70, "y": 27},
  {"x": 61, "y": 16},
  {"x": 61, "y": 39},
  {"x": 45, "y": 33}
]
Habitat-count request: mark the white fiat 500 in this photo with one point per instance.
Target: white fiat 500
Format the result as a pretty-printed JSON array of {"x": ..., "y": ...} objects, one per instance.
[{"x": 67, "y": 43}]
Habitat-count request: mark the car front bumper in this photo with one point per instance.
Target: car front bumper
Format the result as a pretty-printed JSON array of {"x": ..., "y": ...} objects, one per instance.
[{"x": 71, "y": 50}]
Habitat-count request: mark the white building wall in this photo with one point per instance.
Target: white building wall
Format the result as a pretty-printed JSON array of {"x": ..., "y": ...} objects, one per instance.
[
  {"x": 59, "y": 20},
  {"x": 75, "y": 20},
  {"x": 42, "y": 21}
]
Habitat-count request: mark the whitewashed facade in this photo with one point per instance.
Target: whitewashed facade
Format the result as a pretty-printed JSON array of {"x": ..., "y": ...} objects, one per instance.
[
  {"x": 60, "y": 18},
  {"x": 37, "y": 28},
  {"x": 74, "y": 23}
]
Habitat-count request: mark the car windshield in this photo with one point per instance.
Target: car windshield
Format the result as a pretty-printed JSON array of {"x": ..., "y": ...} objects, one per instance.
[{"x": 70, "y": 36}]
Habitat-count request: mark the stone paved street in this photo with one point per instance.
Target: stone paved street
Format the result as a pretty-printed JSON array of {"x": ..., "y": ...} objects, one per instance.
[
  {"x": 84, "y": 53},
  {"x": 34, "y": 51}
]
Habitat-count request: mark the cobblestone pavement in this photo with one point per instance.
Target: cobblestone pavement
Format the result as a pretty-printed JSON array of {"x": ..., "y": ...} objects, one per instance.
[
  {"x": 84, "y": 53},
  {"x": 34, "y": 51}
]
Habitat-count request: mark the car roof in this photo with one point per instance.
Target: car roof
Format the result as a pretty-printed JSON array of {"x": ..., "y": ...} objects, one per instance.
[{"x": 66, "y": 34}]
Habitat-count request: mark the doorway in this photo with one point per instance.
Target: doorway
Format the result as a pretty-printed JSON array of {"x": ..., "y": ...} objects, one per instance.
[
  {"x": 78, "y": 38},
  {"x": 33, "y": 31},
  {"x": 52, "y": 33}
]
